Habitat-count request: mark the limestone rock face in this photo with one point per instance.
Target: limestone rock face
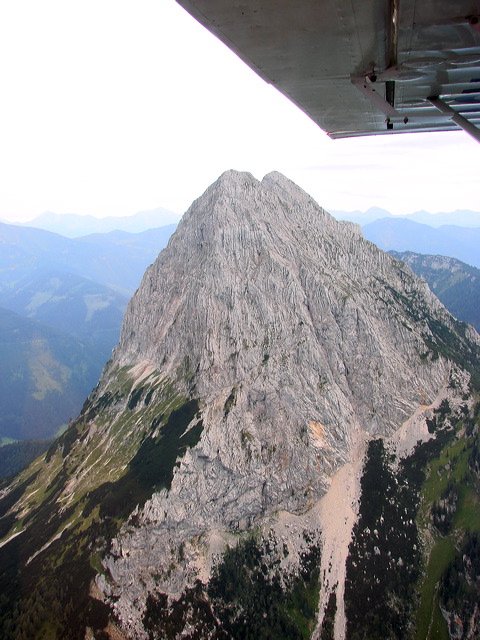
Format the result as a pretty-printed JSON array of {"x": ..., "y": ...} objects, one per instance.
[
  {"x": 297, "y": 336},
  {"x": 262, "y": 291},
  {"x": 264, "y": 347}
]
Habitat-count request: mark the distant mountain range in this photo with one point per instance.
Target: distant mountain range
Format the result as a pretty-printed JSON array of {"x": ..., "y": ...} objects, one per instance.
[
  {"x": 61, "y": 307},
  {"x": 455, "y": 283},
  {"x": 117, "y": 260},
  {"x": 85, "y": 309},
  {"x": 399, "y": 234},
  {"x": 460, "y": 217},
  {"x": 45, "y": 376},
  {"x": 73, "y": 225}
]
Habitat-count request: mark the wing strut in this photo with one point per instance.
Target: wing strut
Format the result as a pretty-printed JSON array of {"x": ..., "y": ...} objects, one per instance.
[{"x": 456, "y": 117}]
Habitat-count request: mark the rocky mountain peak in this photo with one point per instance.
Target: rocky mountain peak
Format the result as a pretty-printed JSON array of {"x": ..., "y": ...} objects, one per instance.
[
  {"x": 266, "y": 344},
  {"x": 257, "y": 269}
]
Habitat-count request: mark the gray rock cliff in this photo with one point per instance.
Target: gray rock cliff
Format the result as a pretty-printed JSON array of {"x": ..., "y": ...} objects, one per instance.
[
  {"x": 264, "y": 347},
  {"x": 297, "y": 336}
]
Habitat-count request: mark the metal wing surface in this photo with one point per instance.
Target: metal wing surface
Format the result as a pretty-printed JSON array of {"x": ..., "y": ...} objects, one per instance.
[{"x": 360, "y": 67}]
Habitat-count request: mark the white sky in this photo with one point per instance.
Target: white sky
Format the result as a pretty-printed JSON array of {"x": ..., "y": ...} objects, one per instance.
[{"x": 109, "y": 107}]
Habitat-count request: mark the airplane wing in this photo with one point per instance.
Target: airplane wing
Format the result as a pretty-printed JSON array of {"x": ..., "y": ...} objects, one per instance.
[{"x": 361, "y": 67}]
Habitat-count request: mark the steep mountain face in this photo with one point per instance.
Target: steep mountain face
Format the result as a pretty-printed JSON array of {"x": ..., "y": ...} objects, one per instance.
[
  {"x": 455, "y": 283},
  {"x": 266, "y": 346}
]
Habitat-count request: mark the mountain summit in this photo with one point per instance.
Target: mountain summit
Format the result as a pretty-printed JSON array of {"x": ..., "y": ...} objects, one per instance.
[{"x": 264, "y": 349}]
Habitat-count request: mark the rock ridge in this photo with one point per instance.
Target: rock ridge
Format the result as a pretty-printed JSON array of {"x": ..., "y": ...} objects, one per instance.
[
  {"x": 313, "y": 338},
  {"x": 264, "y": 347}
]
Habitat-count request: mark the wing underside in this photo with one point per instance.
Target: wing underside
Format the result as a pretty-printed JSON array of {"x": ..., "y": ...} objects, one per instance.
[{"x": 360, "y": 67}]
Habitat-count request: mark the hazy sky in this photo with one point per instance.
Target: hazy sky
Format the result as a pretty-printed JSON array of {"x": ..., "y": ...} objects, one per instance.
[{"x": 111, "y": 107}]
